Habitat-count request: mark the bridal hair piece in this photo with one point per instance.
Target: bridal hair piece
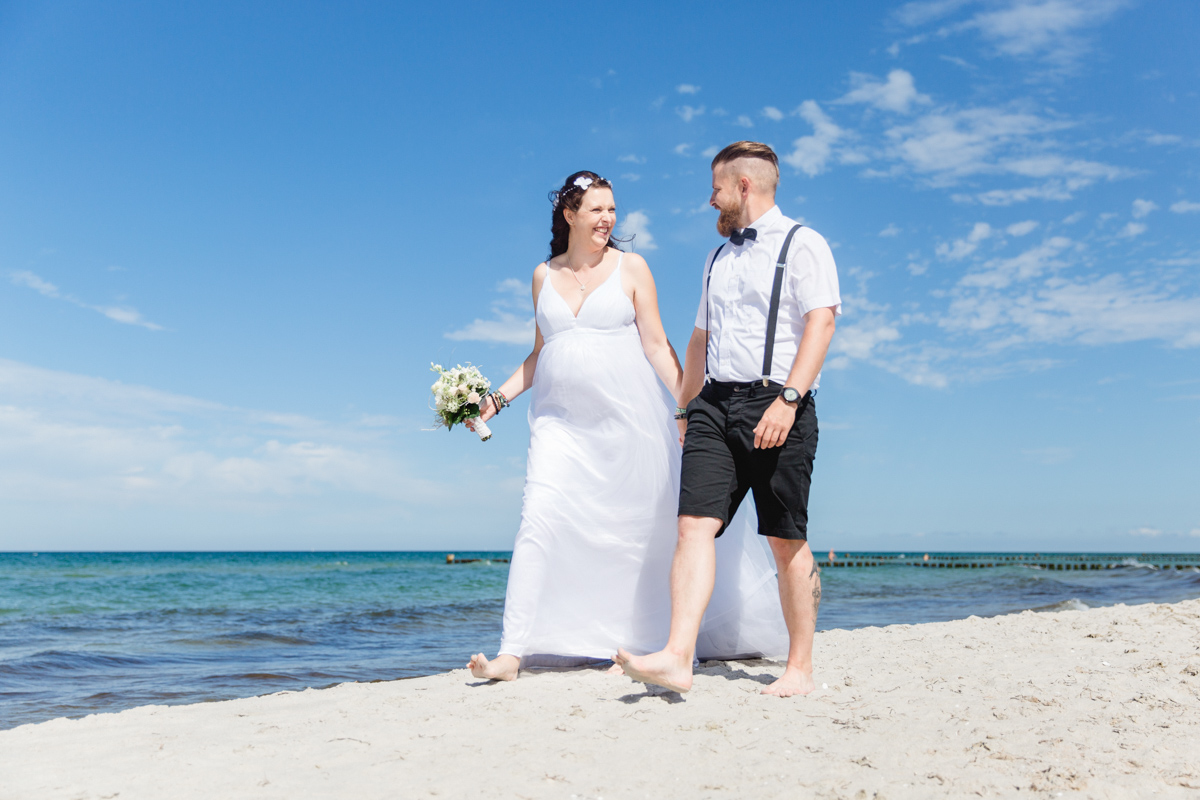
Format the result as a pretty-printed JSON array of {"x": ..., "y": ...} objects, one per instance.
[
  {"x": 577, "y": 184},
  {"x": 570, "y": 196}
]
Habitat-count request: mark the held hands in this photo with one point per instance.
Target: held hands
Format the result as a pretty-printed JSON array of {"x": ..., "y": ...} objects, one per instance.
[
  {"x": 772, "y": 430},
  {"x": 682, "y": 424}
]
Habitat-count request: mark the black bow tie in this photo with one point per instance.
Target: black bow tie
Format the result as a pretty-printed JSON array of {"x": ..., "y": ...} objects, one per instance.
[{"x": 738, "y": 237}]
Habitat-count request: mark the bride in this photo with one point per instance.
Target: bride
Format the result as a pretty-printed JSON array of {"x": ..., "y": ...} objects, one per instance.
[{"x": 592, "y": 557}]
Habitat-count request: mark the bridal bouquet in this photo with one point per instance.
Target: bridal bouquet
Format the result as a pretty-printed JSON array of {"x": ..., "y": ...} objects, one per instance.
[{"x": 457, "y": 393}]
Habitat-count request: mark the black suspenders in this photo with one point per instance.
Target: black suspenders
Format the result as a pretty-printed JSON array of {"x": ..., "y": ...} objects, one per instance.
[
  {"x": 708, "y": 307},
  {"x": 772, "y": 314}
]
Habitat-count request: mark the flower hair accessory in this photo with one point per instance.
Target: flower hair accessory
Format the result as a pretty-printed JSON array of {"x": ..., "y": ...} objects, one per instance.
[{"x": 583, "y": 182}]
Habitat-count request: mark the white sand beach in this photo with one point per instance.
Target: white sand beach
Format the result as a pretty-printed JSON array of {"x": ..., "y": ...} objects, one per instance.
[{"x": 1099, "y": 703}]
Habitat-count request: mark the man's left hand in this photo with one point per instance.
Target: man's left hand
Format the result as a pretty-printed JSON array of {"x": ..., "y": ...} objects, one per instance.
[{"x": 773, "y": 428}]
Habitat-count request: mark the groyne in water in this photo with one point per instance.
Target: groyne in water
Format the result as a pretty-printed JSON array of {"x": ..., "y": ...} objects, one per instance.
[{"x": 1047, "y": 561}]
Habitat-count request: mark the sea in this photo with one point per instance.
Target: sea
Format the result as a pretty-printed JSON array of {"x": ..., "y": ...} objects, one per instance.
[{"x": 85, "y": 633}]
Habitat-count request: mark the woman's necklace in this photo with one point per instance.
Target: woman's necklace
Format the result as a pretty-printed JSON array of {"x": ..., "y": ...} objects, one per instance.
[{"x": 582, "y": 285}]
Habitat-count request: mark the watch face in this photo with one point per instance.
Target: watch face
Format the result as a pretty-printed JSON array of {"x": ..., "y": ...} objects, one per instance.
[{"x": 791, "y": 395}]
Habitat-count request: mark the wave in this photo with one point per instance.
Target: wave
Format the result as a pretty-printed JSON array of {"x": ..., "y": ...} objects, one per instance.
[{"x": 1073, "y": 604}]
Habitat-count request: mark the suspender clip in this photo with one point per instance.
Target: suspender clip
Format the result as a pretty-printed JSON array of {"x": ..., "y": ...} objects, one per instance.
[{"x": 766, "y": 382}]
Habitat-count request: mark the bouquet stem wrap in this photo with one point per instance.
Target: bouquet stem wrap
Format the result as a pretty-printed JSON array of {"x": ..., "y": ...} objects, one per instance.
[{"x": 457, "y": 394}]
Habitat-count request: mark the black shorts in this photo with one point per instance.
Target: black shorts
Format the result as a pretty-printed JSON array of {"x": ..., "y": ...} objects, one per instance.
[{"x": 720, "y": 463}]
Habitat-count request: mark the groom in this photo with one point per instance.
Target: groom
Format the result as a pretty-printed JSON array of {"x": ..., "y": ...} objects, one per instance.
[{"x": 766, "y": 317}]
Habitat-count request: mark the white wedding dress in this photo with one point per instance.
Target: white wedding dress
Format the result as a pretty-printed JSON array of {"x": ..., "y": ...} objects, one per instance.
[{"x": 592, "y": 559}]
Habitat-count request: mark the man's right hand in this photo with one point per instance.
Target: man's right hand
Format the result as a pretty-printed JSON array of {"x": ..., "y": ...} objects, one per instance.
[{"x": 682, "y": 423}]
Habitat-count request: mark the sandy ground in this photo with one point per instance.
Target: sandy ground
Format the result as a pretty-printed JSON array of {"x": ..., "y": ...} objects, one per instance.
[{"x": 1096, "y": 703}]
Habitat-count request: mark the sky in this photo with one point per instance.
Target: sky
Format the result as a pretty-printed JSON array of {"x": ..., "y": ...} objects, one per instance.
[{"x": 233, "y": 237}]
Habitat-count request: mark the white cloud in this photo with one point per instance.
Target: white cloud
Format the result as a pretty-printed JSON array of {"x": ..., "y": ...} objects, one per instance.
[
  {"x": 810, "y": 153},
  {"x": 1132, "y": 229},
  {"x": 632, "y": 159},
  {"x": 637, "y": 225},
  {"x": 772, "y": 113},
  {"x": 897, "y": 94},
  {"x": 744, "y": 121},
  {"x": 687, "y": 88},
  {"x": 949, "y": 145},
  {"x": 122, "y": 314},
  {"x": 1143, "y": 208},
  {"x": 1145, "y": 531},
  {"x": 920, "y": 13},
  {"x": 512, "y": 319},
  {"x": 29, "y": 280},
  {"x": 1048, "y": 30},
  {"x": 1029, "y": 299},
  {"x": 1185, "y": 207},
  {"x": 1021, "y": 228},
  {"x": 859, "y": 340},
  {"x": 961, "y": 248},
  {"x": 688, "y": 113},
  {"x": 999, "y": 273},
  {"x": 631, "y": 177},
  {"x": 710, "y": 152},
  {"x": 82, "y": 440},
  {"x": 683, "y": 149},
  {"x": 890, "y": 230}
]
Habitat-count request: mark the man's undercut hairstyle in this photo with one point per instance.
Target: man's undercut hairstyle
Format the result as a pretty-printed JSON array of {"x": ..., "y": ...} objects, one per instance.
[{"x": 763, "y": 169}]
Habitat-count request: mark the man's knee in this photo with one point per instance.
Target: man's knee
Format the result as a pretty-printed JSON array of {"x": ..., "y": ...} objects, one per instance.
[
  {"x": 789, "y": 552},
  {"x": 698, "y": 529}
]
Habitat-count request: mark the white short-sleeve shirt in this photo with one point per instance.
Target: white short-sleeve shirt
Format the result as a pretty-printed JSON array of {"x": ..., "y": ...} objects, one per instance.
[{"x": 735, "y": 315}]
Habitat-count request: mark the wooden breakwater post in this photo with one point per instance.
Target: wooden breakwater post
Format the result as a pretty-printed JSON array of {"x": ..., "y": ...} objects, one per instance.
[{"x": 1061, "y": 562}]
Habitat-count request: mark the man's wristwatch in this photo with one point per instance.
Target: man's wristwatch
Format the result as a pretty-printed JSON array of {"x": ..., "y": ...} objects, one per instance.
[{"x": 790, "y": 395}]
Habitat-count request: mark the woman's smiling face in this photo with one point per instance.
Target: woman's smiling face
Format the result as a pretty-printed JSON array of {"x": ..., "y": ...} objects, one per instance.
[{"x": 595, "y": 219}]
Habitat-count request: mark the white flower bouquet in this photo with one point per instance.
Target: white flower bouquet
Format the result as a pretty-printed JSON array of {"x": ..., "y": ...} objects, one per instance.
[{"x": 457, "y": 394}]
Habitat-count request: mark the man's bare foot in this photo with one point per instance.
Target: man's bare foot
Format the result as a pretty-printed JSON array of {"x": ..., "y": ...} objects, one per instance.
[
  {"x": 792, "y": 682},
  {"x": 503, "y": 668},
  {"x": 615, "y": 669},
  {"x": 662, "y": 669}
]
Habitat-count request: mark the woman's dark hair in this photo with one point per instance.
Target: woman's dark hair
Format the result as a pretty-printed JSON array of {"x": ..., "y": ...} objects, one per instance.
[{"x": 571, "y": 196}]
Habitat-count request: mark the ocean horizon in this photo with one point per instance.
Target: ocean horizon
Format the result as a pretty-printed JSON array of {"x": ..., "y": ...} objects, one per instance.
[{"x": 91, "y": 632}]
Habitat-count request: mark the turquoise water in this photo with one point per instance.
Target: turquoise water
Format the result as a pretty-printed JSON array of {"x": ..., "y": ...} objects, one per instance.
[{"x": 88, "y": 632}]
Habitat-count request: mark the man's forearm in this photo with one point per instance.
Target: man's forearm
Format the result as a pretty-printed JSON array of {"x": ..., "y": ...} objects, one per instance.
[
  {"x": 814, "y": 344},
  {"x": 693, "y": 366}
]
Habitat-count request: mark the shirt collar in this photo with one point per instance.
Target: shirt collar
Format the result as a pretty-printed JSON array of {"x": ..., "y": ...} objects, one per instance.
[{"x": 769, "y": 218}]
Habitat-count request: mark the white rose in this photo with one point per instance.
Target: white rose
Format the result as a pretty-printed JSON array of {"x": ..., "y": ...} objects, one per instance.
[{"x": 473, "y": 397}]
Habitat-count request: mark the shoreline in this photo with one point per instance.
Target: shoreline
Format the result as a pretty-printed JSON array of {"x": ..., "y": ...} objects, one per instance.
[{"x": 1096, "y": 703}]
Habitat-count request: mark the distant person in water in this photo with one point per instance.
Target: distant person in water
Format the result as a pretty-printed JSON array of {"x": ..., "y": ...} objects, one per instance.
[
  {"x": 766, "y": 317},
  {"x": 592, "y": 556}
]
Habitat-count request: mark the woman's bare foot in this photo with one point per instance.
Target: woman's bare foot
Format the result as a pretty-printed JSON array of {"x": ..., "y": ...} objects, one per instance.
[
  {"x": 664, "y": 669},
  {"x": 793, "y": 681},
  {"x": 615, "y": 669},
  {"x": 502, "y": 668}
]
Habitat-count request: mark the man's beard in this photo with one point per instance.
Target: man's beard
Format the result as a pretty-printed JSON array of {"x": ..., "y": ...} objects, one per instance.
[{"x": 731, "y": 215}]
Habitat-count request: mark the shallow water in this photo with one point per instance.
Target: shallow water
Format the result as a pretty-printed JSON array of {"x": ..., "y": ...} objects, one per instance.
[{"x": 88, "y": 632}]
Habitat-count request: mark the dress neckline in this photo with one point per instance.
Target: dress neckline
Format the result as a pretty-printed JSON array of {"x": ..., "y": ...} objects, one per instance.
[{"x": 603, "y": 283}]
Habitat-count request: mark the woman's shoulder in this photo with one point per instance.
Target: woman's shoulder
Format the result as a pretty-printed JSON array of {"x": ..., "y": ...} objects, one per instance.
[{"x": 634, "y": 264}]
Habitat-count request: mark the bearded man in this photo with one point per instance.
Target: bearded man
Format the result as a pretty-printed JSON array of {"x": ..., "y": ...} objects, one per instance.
[{"x": 766, "y": 317}]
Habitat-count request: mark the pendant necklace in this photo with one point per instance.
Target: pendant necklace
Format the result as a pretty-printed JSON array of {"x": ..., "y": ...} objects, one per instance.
[{"x": 582, "y": 285}]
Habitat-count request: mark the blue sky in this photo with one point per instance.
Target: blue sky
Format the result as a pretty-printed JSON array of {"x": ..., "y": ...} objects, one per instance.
[{"x": 233, "y": 236}]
